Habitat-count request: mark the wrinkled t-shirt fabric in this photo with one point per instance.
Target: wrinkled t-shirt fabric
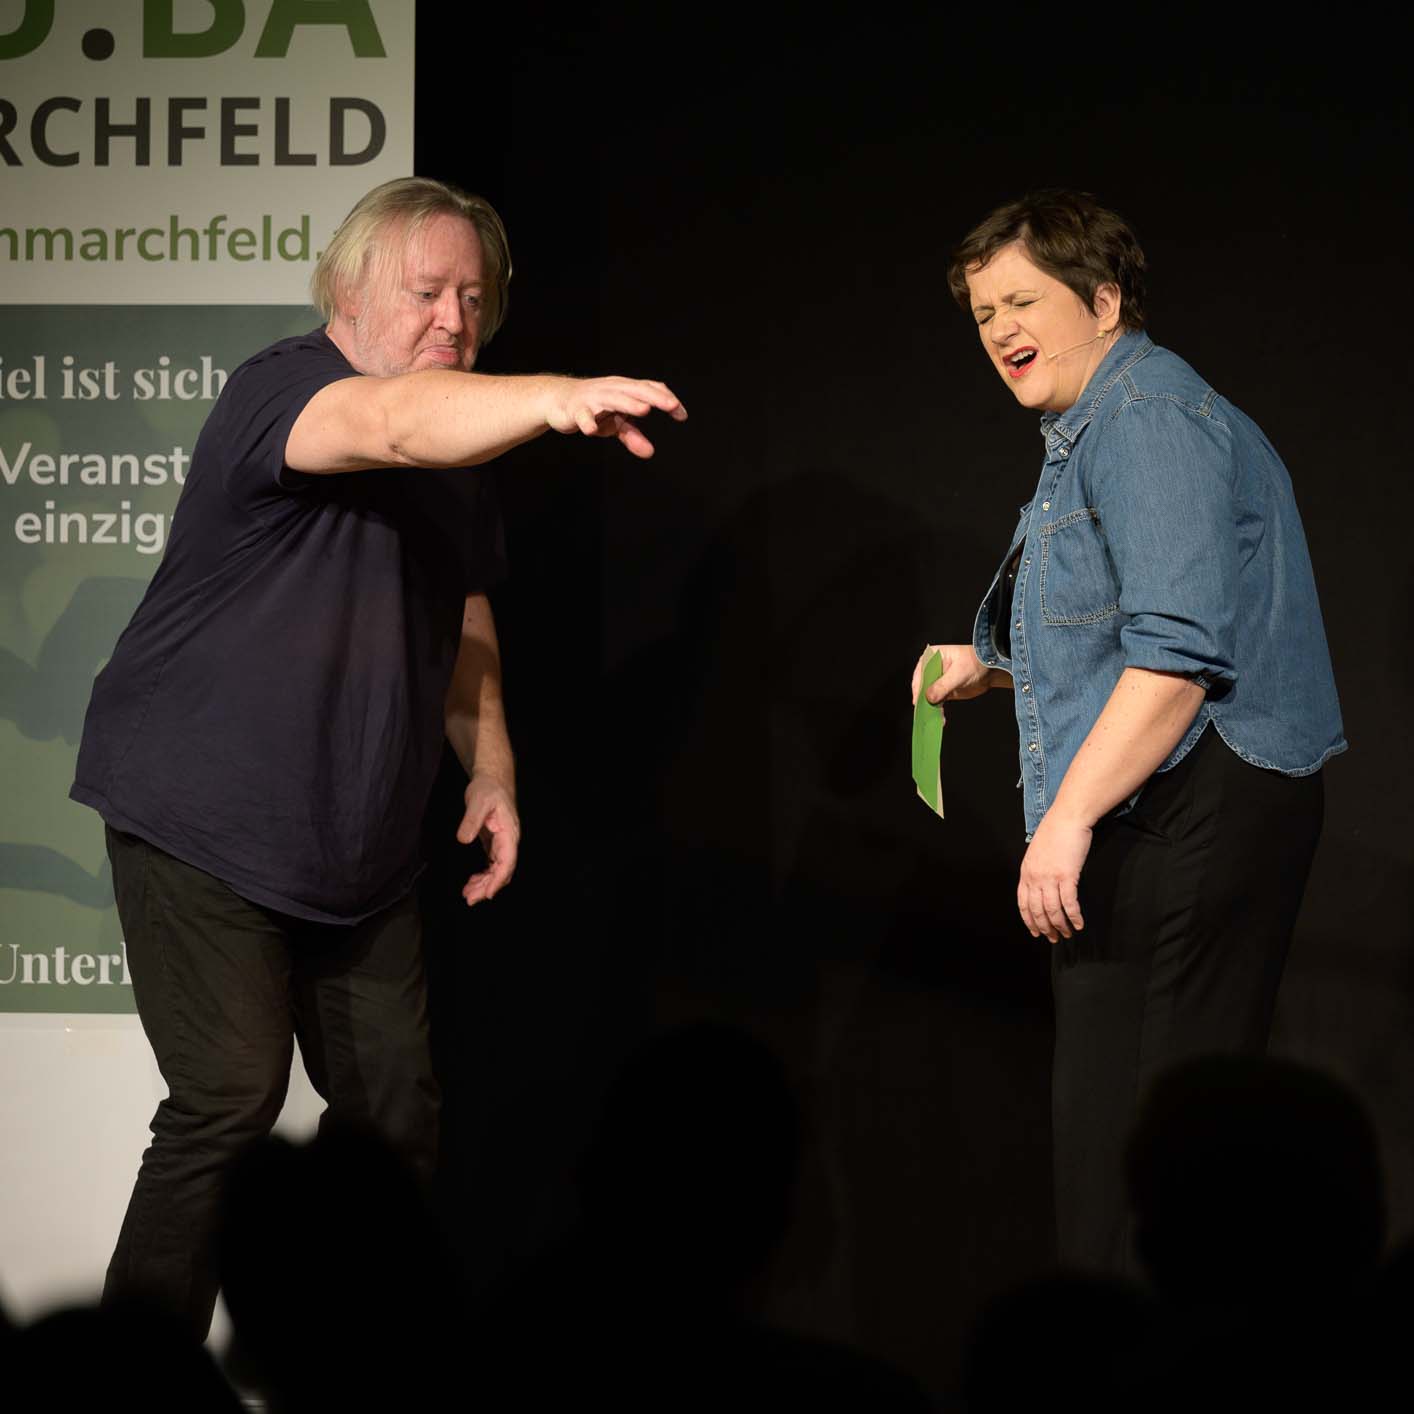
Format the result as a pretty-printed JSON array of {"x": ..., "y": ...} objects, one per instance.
[{"x": 273, "y": 714}]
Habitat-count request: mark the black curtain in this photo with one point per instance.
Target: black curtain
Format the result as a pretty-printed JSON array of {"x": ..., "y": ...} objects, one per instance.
[{"x": 706, "y": 653}]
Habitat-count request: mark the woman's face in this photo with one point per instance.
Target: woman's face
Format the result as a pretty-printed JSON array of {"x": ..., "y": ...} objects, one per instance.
[{"x": 1042, "y": 340}]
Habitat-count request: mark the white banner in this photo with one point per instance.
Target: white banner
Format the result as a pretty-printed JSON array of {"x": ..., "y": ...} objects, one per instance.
[{"x": 191, "y": 151}]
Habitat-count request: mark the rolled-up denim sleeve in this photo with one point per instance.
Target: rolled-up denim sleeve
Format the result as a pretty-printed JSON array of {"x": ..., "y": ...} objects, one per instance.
[{"x": 1163, "y": 490}]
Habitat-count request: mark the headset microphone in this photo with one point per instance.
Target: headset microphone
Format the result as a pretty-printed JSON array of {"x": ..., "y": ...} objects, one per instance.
[{"x": 1102, "y": 334}]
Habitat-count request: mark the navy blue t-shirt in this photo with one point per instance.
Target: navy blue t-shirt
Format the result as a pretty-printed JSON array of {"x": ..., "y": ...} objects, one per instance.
[{"x": 273, "y": 714}]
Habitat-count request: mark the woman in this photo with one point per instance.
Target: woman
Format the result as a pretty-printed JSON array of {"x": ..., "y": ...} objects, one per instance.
[{"x": 1156, "y": 621}]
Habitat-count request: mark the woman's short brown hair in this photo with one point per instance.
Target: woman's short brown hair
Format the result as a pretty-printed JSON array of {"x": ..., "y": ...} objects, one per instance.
[
  {"x": 1070, "y": 236},
  {"x": 347, "y": 260}
]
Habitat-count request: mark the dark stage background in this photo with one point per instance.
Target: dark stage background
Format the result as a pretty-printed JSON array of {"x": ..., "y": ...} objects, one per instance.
[{"x": 706, "y": 655}]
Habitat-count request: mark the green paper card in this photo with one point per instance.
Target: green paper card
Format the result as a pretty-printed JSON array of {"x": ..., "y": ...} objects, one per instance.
[{"x": 928, "y": 739}]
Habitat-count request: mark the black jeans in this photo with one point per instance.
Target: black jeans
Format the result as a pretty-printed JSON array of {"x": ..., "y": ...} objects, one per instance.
[
  {"x": 223, "y": 988},
  {"x": 1189, "y": 902}
]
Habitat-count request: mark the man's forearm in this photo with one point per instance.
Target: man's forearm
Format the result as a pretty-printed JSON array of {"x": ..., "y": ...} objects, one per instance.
[
  {"x": 483, "y": 744},
  {"x": 437, "y": 418},
  {"x": 476, "y": 715},
  {"x": 1144, "y": 719}
]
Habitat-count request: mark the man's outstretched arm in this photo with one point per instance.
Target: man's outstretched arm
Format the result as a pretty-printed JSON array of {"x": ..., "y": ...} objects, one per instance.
[{"x": 443, "y": 418}]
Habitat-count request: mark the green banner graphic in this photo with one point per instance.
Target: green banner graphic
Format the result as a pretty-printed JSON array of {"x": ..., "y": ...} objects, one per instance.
[
  {"x": 169, "y": 171},
  {"x": 99, "y": 412}
]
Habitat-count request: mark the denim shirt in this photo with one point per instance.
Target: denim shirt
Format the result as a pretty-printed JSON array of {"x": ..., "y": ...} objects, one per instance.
[{"x": 1164, "y": 535}]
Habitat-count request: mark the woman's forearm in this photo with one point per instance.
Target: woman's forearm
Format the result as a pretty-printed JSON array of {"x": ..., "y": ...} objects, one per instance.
[{"x": 1141, "y": 723}]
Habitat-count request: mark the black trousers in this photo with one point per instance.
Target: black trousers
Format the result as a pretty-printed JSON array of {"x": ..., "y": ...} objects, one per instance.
[
  {"x": 1189, "y": 902},
  {"x": 223, "y": 988}
]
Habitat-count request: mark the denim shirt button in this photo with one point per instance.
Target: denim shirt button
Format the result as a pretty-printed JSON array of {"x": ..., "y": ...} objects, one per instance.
[
  {"x": 1031, "y": 746},
  {"x": 1045, "y": 505},
  {"x": 1026, "y": 687}
]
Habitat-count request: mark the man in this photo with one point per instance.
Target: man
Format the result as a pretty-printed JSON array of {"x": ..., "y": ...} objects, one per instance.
[{"x": 264, "y": 740}]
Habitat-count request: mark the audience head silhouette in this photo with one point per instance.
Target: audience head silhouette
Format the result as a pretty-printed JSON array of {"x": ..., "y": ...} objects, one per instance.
[
  {"x": 132, "y": 1356},
  {"x": 1252, "y": 1180},
  {"x": 331, "y": 1247},
  {"x": 692, "y": 1168}
]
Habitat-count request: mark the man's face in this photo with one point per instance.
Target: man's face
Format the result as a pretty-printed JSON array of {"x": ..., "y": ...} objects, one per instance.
[{"x": 422, "y": 307}]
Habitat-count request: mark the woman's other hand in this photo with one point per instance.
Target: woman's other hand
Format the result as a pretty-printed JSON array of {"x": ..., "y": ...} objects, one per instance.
[
  {"x": 964, "y": 674},
  {"x": 1048, "y": 892}
]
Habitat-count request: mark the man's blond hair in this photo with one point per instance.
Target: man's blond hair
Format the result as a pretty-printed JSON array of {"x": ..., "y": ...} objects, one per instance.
[{"x": 406, "y": 204}]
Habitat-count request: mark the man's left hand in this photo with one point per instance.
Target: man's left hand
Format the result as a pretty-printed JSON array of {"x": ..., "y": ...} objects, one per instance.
[
  {"x": 490, "y": 814},
  {"x": 1048, "y": 894}
]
